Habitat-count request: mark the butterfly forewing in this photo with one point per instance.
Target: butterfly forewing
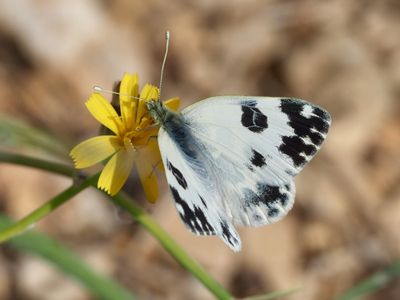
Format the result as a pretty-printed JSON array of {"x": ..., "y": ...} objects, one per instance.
[{"x": 289, "y": 131}]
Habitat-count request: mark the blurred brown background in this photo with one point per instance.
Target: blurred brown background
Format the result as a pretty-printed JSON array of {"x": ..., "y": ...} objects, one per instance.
[{"x": 342, "y": 55}]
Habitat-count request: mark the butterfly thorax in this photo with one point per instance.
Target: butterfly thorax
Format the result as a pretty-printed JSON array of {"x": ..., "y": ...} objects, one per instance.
[
  {"x": 171, "y": 121},
  {"x": 158, "y": 111}
]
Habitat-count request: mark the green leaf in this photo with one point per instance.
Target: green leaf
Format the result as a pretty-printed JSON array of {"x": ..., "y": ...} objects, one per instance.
[
  {"x": 15, "y": 133},
  {"x": 373, "y": 283},
  {"x": 54, "y": 252}
]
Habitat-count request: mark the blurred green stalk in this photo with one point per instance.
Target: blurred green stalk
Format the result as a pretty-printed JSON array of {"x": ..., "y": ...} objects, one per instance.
[
  {"x": 373, "y": 283},
  {"x": 16, "y": 133},
  {"x": 37, "y": 163},
  {"x": 68, "y": 262}
]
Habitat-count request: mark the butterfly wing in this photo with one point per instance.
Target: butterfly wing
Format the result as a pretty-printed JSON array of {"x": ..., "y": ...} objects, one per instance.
[
  {"x": 257, "y": 145},
  {"x": 232, "y": 160},
  {"x": 193, "y": 188}
]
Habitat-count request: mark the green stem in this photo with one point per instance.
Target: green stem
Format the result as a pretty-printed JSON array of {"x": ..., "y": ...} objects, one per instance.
[
  {"x": 121, "y": 200},
  {"x": 46, "y": 209},
  {"x": 37, "y": 163},
  {"x": 170, "y": 245}
]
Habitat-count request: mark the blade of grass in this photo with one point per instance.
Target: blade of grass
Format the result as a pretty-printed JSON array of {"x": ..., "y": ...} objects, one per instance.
[
  {"x": 15, "y": 133},
  {"x": 45, "y": 209},
  {"x": 54, "y": 252},
  {"x": 373, "y": 283}
]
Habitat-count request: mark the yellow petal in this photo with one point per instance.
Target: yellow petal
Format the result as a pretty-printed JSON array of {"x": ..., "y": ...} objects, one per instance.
[
  {"x": 116, "y": 172},
  {"x": 146, "y": 163},
  {"x": 103, "y": 112},
  {"x": 148, "y": 134},
  {"x": 128, "y": 90},
  {"x": 157, "y": 156},
  {"x": 148, "y": 142},
  {"x": 146, "y": 122},
  {"x": 173, "y": 103},
  {"x": 149, "y": 92},
  {"x": 94, "y": 150}
]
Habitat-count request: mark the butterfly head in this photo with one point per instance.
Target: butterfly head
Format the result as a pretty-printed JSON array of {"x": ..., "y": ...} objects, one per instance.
[{"x": 157, "y": 111}]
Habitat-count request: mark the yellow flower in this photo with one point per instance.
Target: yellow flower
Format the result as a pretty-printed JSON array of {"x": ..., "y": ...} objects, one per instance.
[{"x": 133, "y": 140}]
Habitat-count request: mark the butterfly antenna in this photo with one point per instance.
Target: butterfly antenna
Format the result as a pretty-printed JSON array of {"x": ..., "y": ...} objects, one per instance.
[
  {"x": 99, "y": 89},
  {"x": 167, "y": 36}
]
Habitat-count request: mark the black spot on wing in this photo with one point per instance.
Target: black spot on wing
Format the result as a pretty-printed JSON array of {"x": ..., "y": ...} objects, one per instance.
[
  {"x": 194, "y": 218},
  {"x": 177, "y": 174},
  {"x": 290, "y": 172},
  {"x": 301, "y": 124},
  {"x": 202, "y": 201},
  {"x": 294, "y": 147},
  {"x": 257, "y": 159},
  {"x": 303, "y": 130},
  {"x": 272, "y": 201},
  {"x": 228, "y": 235},
  {"x": 257, "y": 217},
  {"x": 268, "y": 195},
  {"x": 273, "y": 212},
  {"x": 252, "y": 118},
  {"x": 323, "y": 114},
  {"x": 271, "y": 194},
  {"x": 285, "y": 200},
  {"x": 313, "y": 127}
]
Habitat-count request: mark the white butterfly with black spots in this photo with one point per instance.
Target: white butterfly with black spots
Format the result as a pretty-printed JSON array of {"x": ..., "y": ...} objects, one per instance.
[{"x": 231, "y": 160}]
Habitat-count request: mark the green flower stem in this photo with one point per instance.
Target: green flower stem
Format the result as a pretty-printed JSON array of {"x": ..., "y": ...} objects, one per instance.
[
  {"x": 37, "y": 163},
  {"x": 121, "y": 200},
  {"x": 170, "y": 245},
  {"x": 46, "y": 208}
]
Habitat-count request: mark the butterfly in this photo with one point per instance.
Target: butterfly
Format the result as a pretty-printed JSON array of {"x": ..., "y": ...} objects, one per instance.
[{"x": 231, "y": 160}]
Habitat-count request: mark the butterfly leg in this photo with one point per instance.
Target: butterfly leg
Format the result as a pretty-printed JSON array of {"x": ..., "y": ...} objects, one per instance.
[{"x": 158, "y": 165}]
